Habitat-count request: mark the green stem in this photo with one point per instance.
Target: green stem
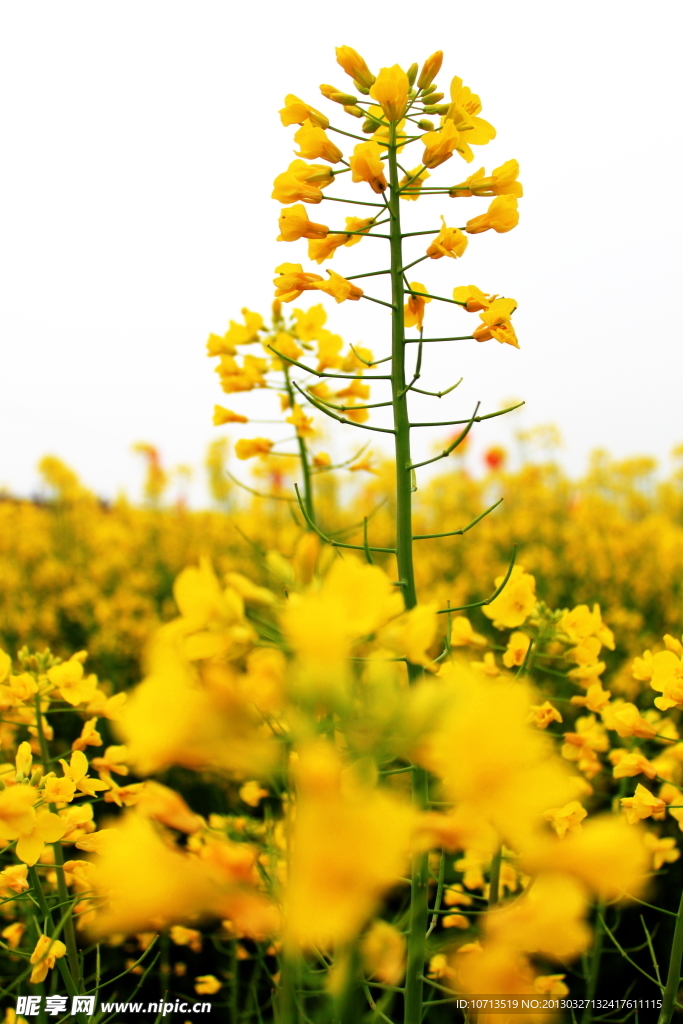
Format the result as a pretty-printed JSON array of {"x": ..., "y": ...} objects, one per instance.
[
  {"x": 419, "y": 899},
  {"x": 286, "y": 1009},
  {"x": 37, "y": 891},
  {"x": 419, "y": 915},
  {"x": 594, "y": 968},
  {"x": 404, "y": 543},
  {"x": 64, "y": 896},
  {"x": 345, "y": 1006},
  {"x": 673, "y": 976},
  {"x": 303, "y": 452},
  {"x": 234, "y": 980},
  {"x": 494, "y": 877}
]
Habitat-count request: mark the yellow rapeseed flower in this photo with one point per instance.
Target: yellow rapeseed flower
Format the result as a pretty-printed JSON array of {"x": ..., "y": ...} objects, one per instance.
[
  {"x": 349, "y": 846},
  {"x": 302, "y": 423},
  {"x": 501, "y": 182},
  {"x": 74, "y": 686},
  {"x": 247, "y": 448},
  {"x": 663, "y": 850},
  {"x": 441, "y": 144},
  {"x": 292, "y": 281},
  {"x": 309, "y": 321},
  {"x": 302, "y": 182},
  {"x": 294, "y": 224},
  {"x": 502, "y": 215},
  {"x": 497, "y": 324},
  {"x": 517, "y": 647},
  {"x": 449, "y": 242},
  {"x": 366, "y": 165},
  {"x": 296, "y": 111},
  {"x": 47, "y": 951},
  {"x": 222, "y": 415},
  {"x": 463, "y": 635},
  {"x": 417, "y": 178},
  {"x": 542, "y": 715},
  {"x": 667, "y": 678},
  {"x": 413, "y": 311},
  {"x": 314, "y": 144},
  {"x": 465, "y": 106},
  {"x": 390, "y": 89},
  {"x": 339, "y": 288},
  {"x": 641, "y": 805},
  {"x": 473, "y": 299},
  {"x": 566, "y": 819},
  {"x": 515, "y": 603}
]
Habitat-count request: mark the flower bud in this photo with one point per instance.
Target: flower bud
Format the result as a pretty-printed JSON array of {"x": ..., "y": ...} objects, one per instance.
[
  {"x": 426, "y": 125},
  {"x": 345, "y": 98},
  {"x": 354, "y": 110},
  {"x": 354, "y": 65},
  {"x": 331, "y": 92},
  {"x": 429, "y": 90},
  {"x": 439, "y": 108},
  {"x": 19, "y": 777},
  {"x": 430, "y": 69},
  {"x": 434, "y": 97},
  {"x": 320, "y": 173},
  {"x": 412, "y": 73},
  {"x": 361, "y": 88},
  {"x": 368, "y": 126},
  {"x": 36, "y": 776}
]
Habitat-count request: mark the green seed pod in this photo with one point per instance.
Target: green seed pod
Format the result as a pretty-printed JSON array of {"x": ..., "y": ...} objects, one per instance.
[
  {"x": 345, "y": 98},
  {"x": 439, "y": 108},
  {"x": 331, "y": 92}
]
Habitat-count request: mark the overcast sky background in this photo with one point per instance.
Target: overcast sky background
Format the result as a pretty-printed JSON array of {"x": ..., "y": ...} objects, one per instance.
[{"x": 141, "y": 139}]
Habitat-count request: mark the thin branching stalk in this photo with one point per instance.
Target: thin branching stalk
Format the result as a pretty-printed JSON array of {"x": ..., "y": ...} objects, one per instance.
[{"x": 673, "y": 976}]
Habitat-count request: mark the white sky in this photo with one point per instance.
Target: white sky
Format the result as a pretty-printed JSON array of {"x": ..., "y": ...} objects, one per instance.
[{"x": 140, "y": 142}]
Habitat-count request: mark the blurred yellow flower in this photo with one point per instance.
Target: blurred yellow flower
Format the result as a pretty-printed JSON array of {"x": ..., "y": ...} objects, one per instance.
[
  {"x": 515, "y": 603},
  {"x": 350, "y": 844}
]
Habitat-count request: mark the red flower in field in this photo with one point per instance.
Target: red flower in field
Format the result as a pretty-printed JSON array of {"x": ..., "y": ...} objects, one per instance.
[{"x": 495, "y": 457}]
